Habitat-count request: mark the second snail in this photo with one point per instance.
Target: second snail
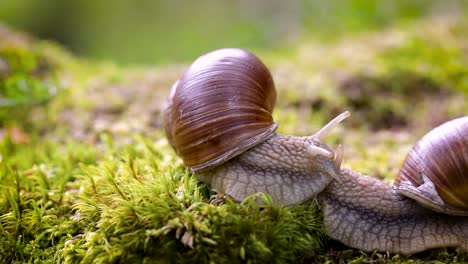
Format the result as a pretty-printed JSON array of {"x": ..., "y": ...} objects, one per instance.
[{"x": 218, "y": 119}]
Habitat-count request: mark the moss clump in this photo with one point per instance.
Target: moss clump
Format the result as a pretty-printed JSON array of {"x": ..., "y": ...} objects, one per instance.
[
  {"x": 381, "y": 101},
  {"x": 413, "y": 77},
  {"x": 26, "y": 81},
  {"x": 441, "y": 60},
  {"x": 135, "y": 207},
  {"x": 35, "y": 199}
]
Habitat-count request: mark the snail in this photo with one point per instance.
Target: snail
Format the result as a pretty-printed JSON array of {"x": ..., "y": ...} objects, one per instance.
[
  {"x": 218, "y": 119},
  {"x": 427, "y": 206}
]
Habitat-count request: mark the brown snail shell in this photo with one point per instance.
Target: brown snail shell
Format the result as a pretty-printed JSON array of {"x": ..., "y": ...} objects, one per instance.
[
  {"x": 435, "y": 172},
  {"x": 220, "y": 107}
]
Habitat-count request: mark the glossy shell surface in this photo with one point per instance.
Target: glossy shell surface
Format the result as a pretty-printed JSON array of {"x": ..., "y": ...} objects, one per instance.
[
  {"x": 220, "y": 107},
  {"x": 437, "y": 167}
]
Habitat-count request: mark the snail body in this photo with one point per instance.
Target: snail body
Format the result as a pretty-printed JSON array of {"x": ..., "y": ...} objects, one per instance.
[
  {"x": 283, "y": 166},
  {"x": 422, "y": 210},
  {"x": 365, "y": 213},
  {"x": 218, "y": 119}
]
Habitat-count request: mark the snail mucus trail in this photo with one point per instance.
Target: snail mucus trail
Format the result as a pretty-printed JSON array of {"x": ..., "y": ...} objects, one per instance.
[{"x": 218, "y": 120}]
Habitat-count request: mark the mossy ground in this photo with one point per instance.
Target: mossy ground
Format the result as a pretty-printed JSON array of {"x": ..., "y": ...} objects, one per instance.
[{"x": 87, "y": 176}]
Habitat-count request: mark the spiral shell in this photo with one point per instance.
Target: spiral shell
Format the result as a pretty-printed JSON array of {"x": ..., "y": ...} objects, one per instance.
[
  {"x": 220, "y": 107},
  {"x": 435, "y": 172}
]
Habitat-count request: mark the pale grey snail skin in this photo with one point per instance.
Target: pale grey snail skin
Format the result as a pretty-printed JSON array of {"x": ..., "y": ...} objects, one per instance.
[
  {"x": 365, "y": 213},
  {"x": 285, "y": 167},
  {"x": 425, "y": 208},
  {"x": 240, "y": 158}
]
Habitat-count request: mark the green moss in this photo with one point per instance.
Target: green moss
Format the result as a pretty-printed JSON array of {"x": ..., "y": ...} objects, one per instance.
[
  {"x": 135, "y": 206},
  {"x": 441, "y": 60},
  {"x": 26, "y": 81},
  {"x": 35, "y": 203},
  {"x": 138, "y": 209}
]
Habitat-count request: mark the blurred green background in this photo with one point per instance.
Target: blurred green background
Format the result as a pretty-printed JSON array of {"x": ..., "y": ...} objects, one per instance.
[{"x": 159, "y": 32}]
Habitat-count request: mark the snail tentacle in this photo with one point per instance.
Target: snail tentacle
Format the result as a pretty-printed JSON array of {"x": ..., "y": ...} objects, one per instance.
[
  {"x": 339, "y": 154},
  {"x": 315, "y": 150},
  {"x": 325, "y": 130}
]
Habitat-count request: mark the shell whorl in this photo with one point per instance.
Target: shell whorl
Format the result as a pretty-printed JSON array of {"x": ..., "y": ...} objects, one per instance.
[
  {"x": 220, "y": 107},
  {"x": 435, "y": 172}
]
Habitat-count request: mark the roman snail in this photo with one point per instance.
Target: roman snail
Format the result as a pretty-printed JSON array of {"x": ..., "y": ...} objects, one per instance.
[
  {"x": 427, "y": 206},
  {"x": 218, "y": 119}
]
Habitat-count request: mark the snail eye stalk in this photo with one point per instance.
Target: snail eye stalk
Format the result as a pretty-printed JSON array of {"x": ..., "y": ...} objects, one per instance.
[{"x": 324, "y": 131}]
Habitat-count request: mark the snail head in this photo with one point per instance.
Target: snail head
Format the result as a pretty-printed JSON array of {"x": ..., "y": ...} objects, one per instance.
[{"x": 323, "y": 157}]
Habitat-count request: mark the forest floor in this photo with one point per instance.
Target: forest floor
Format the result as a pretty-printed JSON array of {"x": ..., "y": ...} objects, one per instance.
[{"x": 87, "y": 176}]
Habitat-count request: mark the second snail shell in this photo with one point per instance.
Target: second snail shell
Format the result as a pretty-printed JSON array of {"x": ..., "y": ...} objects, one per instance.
[{"x": 435, "y": 172}]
